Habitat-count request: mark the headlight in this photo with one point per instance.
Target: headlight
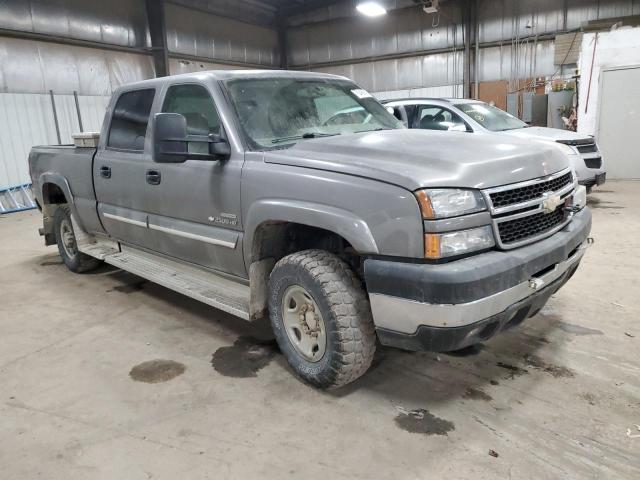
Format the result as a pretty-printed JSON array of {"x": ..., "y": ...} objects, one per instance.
[
  {"x": 439, "y": 245},
  {"x": 449, "y": 202},
  {"x": 566, "y": 149}
]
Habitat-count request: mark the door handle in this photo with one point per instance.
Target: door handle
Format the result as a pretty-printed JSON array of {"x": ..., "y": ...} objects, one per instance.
[
  {"x": 153, "y": 177},
  {"x": 105, "y": 172}
]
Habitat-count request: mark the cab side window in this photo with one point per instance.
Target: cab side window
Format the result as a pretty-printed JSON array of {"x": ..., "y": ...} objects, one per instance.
[
  {"x": 130, "y": 119},
  {"x": 195, "y": 103}
]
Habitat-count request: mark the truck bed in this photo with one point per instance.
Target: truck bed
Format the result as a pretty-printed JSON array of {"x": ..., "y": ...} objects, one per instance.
[{"x": 69, "y": 168}]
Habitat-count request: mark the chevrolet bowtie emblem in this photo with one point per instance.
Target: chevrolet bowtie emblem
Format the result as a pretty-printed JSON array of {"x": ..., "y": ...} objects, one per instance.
[{"x": 550, "y": 202}]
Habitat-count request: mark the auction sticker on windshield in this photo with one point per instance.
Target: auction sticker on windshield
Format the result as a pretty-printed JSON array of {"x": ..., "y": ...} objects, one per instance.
[{"x": 358, "y": 92}]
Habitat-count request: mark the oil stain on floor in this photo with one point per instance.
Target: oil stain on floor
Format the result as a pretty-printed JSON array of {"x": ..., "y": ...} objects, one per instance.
[
  {"x": 554, "y": 370},
  {"x": 475, "y": 394},
  {"x": 244, "y": 358},
  {"x": 512, "y": 369},
  {"x": 577, "y": 329},
  {"x": 424, "y": 422},
  {"x": 157, "y": 371}
]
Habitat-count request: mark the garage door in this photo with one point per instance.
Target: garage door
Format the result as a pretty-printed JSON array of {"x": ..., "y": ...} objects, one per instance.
[{"x": 619, "y": 122}]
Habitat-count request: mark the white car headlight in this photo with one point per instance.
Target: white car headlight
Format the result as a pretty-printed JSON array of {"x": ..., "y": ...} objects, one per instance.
[
  {"x": 449, "y": 202},
  {"x": 449, "y": 244},
  {"x": 566, "y": 149}
]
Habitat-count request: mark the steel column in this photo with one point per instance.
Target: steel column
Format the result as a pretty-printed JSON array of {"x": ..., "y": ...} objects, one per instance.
[{"x": 158, "y": 34}]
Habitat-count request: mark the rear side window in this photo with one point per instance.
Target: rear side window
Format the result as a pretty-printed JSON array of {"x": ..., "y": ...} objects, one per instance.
[{"x": 130, "y": 119}]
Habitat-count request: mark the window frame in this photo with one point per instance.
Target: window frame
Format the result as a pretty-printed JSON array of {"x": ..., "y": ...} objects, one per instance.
[{"x": 146, "y": 133}]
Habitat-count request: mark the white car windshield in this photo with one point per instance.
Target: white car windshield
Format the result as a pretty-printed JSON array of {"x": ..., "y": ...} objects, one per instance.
[
  {"x": 278, "y": 112},
  {"x": 490, "y": 117}
]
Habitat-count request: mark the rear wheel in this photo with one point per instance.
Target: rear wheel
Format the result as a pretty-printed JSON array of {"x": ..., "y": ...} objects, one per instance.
[
  {"x": 75, "y": 260},
  {"x": 321, "y": 318}
]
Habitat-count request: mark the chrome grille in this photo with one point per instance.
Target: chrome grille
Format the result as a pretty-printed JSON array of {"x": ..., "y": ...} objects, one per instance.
[
  {"x": 528, "y": 211},
  {"x": 522, "y": 228},
  {"x": 529, "y": 192}
]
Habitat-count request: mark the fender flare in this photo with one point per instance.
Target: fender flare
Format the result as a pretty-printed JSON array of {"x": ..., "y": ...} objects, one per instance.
[
  {"x": 63, "y": 184},
  {"x": 59, "y": 181},
  {"x": 339, "y": 221}
]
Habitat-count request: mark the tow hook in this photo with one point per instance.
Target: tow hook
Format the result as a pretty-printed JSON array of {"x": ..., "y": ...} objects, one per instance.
[
  {"x": 536, "y": 283},
  {"x": 591, "y": 241},
  {"x": 572, "y": 209}
]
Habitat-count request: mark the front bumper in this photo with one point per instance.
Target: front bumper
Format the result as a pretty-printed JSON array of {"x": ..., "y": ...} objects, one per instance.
[
  {"x": 597, "y": 179},
  {"x": 449, "y": 306}
]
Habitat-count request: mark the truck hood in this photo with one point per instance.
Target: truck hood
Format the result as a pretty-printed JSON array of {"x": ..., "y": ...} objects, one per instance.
[
  {"x": 544, "y": 133},
  {"x": 416, "y": 159}
]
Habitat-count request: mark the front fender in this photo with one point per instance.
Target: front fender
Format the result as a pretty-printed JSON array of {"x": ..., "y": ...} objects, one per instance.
[{"x": 341, "y": 222}]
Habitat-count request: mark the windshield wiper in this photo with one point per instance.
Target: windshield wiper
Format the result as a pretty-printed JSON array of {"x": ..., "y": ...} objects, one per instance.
[
  {"x": 372, "y": 130},
  {"x": 513, "y": 128},
  {"x": 304, "y": 136}
]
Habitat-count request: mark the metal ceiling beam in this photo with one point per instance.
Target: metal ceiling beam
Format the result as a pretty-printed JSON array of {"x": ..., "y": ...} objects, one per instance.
[{"x": 46, "y": 37}]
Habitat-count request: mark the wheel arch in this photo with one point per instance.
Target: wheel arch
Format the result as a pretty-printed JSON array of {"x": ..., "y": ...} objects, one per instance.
[{"x": 336, "y": 221}]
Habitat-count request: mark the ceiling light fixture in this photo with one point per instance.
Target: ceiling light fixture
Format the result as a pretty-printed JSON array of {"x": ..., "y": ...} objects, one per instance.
[{"x": 371, "y": 9}]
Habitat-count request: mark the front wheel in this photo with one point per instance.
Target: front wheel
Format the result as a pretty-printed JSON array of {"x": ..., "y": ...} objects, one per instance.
[
  {"x": 321, "y": 318},
  {"x": 75, "y": 260}
]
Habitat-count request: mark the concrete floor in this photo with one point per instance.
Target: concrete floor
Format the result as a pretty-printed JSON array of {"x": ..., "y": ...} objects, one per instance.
[{"x": 552, "y": 399}]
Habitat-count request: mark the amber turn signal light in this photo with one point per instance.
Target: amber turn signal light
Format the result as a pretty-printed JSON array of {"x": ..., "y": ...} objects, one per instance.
[
  {"x": 432, "y": 246},
  {"x": 425, "y": 204}
]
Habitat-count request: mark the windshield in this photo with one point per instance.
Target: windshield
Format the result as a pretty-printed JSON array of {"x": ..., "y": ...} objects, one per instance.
[
  {"x": 277, "y": 112},
  {"x": 490, "y": 117}
]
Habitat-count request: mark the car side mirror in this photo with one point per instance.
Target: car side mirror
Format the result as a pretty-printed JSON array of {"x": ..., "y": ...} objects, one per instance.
[
  {"x": 170, "y": 138},
  {"x": 171, "y": 141},
  {"x": 458, "y": 128},
  {"x": 219, "y": 147}
]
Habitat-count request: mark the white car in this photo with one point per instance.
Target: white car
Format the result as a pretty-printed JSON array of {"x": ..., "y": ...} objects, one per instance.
[{"x": 476, "y": 116}]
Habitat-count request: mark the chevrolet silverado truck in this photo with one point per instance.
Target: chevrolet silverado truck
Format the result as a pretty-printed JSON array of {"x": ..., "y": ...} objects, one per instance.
[
  {"x": 241, "y": 190},
  {"x": 459, "y": 114}
]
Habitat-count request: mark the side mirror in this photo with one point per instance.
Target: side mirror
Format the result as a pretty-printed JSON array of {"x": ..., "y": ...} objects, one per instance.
[
  {"x": 458, "y": 128},
  {"x": 219, "y": 147},
  {"x": 171, "y": 141},
  {"x": 170, "y": 138}
]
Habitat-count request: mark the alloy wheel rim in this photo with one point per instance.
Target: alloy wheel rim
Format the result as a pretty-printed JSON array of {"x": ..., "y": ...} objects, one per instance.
[
  {"x": 68, "y": 238},
  {"x": 304, "y": 324}
]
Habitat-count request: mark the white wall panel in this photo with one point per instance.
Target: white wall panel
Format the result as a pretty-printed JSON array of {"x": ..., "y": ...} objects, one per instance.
[
  {"x": 25, "y": 120},
  {"x": 67, "y": 117},
  {"x": 614, "y": 49},
  {"x": 29, "y": 66},
  {"x": 92, "y": 109}
]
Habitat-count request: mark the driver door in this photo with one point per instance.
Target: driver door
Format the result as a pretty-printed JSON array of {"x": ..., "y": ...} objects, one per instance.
[{"x": 195, "y": 211}]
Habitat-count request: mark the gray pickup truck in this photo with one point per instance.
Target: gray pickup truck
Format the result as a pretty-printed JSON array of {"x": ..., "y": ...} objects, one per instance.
[{"x": 243, "y": 191}]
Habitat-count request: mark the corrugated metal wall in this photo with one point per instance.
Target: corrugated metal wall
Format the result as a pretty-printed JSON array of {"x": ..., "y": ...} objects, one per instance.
[
  {"x": 116, "y": 22},
  {"x": 510, "y": 30},
  {"x": 200, "y": 34},
  {"x": 29, "y": 69}
]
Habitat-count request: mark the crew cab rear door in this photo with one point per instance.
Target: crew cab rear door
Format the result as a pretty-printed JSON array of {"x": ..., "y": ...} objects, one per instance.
[{"x": 120, "y": 167}]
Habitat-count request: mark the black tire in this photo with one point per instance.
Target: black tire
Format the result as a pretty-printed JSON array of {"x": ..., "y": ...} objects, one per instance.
[
  {"x": 344, "y": 306},
  {"x": 75, "y": 261}
]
